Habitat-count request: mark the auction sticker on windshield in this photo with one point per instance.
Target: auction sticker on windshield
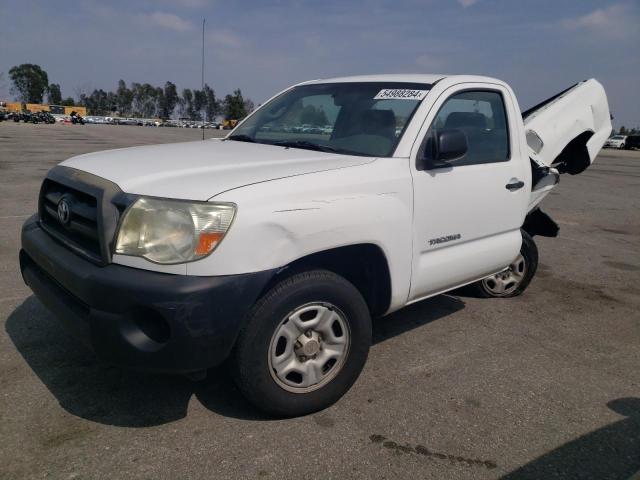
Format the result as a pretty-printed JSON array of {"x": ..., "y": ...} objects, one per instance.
[{"x": 400, "y": 94}]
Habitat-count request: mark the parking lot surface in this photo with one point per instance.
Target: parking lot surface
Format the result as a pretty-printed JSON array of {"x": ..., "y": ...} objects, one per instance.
[{"x": 546, "y": 385}]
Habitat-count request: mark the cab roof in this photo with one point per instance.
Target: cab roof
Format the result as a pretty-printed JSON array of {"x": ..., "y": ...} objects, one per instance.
[
  {"x": 409, "y": 78},
  {"x": 429, "y": 79}
]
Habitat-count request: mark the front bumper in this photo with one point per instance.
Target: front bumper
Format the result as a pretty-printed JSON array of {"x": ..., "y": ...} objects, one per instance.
[{"x": 137, "y": 318}]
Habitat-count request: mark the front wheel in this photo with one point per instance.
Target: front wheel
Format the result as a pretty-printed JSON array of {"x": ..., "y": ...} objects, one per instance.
[
  {"x": 304, "y": 344},
  {"x": 514, "y": 280}
]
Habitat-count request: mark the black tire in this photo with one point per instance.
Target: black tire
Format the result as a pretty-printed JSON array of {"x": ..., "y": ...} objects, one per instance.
[
  {"x": 250, "y": 361},
  {"x": 529, "y": 252}
]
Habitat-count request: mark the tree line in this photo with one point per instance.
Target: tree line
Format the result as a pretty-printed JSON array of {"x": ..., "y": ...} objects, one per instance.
[
  {"x": 626, "y": 131},
  {"x": 30, "y": 83}
]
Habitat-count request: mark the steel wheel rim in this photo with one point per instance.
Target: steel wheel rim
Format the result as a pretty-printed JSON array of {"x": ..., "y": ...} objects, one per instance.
[
  {"x": 508, "y": 280},
  {"x": 309, "y": 347}
]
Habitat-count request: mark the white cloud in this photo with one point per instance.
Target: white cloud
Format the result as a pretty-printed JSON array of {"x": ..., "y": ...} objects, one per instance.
[
  {"x": 178, "y": 4},
  {"x": 225, "y": 38},
  {"x": 614, "y": 21},
  {"x": 428, "y": 63},
  {"x": 467, "y": 3},
  {"x": 194, "y": 3},
  {"x": 170, "y": 21}
]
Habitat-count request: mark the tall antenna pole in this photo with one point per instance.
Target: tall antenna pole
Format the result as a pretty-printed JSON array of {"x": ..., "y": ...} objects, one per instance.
[{"x": 202, "y": 79}]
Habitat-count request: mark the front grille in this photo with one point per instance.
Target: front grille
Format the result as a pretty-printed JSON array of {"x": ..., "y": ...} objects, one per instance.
[
  {"x": 81, "y": 231},
  {"x": 95, "y": 206}
]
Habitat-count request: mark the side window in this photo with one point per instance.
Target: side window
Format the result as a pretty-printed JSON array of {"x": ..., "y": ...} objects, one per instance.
[{"x": 481, "y": 116}]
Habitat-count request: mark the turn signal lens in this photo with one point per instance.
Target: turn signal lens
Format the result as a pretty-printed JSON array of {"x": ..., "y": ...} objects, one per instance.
[{"x": 207, "y": 242}]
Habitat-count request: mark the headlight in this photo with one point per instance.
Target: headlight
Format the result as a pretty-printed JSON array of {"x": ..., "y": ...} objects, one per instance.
[{"x": 172, "y": 231}]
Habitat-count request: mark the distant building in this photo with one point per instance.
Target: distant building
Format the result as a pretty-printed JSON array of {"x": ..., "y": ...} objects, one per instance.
[{"x": 38, "y": 107}]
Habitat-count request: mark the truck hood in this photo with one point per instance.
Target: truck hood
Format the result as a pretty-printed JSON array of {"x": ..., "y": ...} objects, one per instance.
[{"x": 200, "y": 170}]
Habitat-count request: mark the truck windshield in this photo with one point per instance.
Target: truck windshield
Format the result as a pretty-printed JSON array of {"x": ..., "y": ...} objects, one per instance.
[{"x": 359, "y": 118}]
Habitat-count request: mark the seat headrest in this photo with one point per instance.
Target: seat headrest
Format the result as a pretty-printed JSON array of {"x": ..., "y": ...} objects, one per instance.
[
  {"x": 466, "y": 119},
  {"x": 374, "y": 121}
]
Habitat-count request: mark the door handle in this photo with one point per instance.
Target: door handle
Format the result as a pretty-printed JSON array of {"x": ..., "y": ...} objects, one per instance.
[{"x": 514, "y": 185}]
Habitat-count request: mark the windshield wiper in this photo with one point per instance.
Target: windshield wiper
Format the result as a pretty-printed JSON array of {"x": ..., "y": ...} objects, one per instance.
[
  {"x": 241, "y": 138},
  {"x": 306, "y": 145}
]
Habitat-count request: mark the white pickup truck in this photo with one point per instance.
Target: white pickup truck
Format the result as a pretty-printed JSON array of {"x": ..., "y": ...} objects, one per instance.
[{"x": 337, "y": 201}]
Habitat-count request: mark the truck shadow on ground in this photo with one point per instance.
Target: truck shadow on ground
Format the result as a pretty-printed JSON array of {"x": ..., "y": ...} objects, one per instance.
[
  {"x": 611, "y": 452},
  {"x": 100, "y": 393}
]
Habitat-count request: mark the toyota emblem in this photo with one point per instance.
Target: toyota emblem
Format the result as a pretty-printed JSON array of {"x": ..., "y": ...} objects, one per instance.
[{"x": 64, "y": 212}]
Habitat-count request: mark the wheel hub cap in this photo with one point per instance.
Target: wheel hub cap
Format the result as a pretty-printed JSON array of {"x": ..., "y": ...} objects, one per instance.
[
  {"x": 308, "y": 344},
  {"x": 309, "y": 347},
  {"x": 505, "y": 282}
]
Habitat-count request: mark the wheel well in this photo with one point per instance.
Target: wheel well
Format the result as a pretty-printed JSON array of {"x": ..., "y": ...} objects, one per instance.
[
  {"x": 539, "y": 223},
  {"x": 574, "y": 158},
  {"x": 364, "y": 265}
]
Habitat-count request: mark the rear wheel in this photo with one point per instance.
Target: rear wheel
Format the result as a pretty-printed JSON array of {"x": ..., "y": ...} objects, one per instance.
[
  {"x": 304, "y": 345},
  {"x": 514, "y": 280}
]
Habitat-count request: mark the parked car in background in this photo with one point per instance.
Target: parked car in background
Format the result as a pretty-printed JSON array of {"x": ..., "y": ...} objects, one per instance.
[
  {"x": 32, "y": 117},
  {"x": 76, "y": 118},
  {"x": 127, "y": 121},
  {"x": 43, "y": 117},
  {"x": 617, "y": 141},
  {"x": 632, "y": 142}
]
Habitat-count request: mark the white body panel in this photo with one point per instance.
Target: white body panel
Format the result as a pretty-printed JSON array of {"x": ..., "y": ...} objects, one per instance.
[
  {"x": 293, "y": 202},
  {"x": 548, "y": 130},
  {"x": 468, "y": 201},
  {"x": 583, "y": 108},
  {"x": 284, "y": 220},
  {"x": 199, "y": 170}
]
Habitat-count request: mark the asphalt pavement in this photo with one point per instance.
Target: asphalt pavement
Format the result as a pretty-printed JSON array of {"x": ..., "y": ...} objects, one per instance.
[{"x": 546, "y": 385}]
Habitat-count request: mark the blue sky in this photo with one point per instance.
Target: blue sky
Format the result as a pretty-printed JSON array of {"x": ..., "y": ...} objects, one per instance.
[{"x": 539, "y": 47}]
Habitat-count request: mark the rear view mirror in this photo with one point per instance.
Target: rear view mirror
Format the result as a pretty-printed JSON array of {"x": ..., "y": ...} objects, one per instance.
[{"x": 442, "y": 147}]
